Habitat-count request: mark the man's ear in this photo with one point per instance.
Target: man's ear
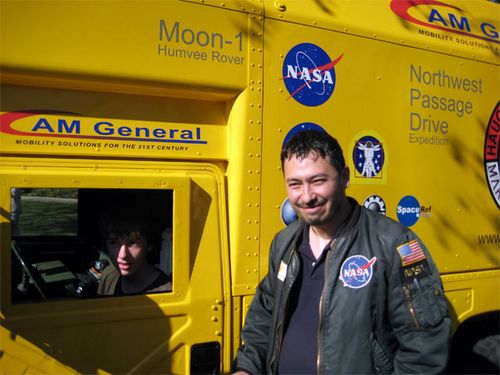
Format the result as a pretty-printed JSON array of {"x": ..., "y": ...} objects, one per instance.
[{"x": 346, "y": 177}]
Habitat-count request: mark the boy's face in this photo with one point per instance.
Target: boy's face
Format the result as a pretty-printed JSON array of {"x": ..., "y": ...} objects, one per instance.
[{"x": 128, "y": 255}]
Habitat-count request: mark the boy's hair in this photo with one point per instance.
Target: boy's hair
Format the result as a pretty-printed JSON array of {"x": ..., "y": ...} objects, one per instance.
[
  {"x": 307, "y": 141},
  {"x": 127, "y": 221}
]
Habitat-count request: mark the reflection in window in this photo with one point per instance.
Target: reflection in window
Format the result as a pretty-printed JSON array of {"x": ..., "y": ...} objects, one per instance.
[
  {"x": 37, "y": 212},
  {"x": 60, "y": 241}
]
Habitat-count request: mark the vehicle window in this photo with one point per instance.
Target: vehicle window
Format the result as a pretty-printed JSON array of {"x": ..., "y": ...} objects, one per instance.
[{"x": 84, "y": 243}]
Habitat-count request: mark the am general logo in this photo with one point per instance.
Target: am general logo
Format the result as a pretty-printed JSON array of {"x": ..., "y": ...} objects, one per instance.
[
  {"x": 437, "y": 15},
  {"x": 309, "y": 74}
]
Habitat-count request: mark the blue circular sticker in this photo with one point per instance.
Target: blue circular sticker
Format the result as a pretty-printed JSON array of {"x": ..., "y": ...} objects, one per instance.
[
  {"x": 357, "y": 271},
  {"x": 368, "y": 156},
  {"x": 309, "y": 74},
  {"x": 288, "y": 214},
  {"x": 408, "y": 210},
  {"x": 299, "y": 128}
]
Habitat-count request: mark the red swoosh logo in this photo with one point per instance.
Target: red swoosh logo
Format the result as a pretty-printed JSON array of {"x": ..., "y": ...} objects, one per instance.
[
  {"x": 369, "y": 264},
  {"x": 8, "y": 118}
]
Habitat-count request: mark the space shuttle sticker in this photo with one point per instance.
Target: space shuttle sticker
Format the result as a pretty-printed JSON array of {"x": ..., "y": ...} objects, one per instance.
[{"x": 309, "y": 74}]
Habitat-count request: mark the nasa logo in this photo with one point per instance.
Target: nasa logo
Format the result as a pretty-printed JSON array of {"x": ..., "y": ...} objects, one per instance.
[
  {"x": 408, "y": 210},
  {"x": 309, "y": 74},
  {"x": 288, "y": 214},
  {"x": 375, "y": 203},
  {"x": 357, "y": 271},
  {"x": 492, "y": 153},
  {"x": 368, "y": 155}
]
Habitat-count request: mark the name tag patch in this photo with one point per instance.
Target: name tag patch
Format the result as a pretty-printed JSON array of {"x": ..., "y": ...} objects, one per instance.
[
  {"x": 414, "y": 271},
  {"x": 282, "y": 271}
]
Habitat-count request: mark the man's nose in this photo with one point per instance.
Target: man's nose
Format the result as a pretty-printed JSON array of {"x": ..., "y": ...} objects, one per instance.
[{"x": 308, "y": 193}]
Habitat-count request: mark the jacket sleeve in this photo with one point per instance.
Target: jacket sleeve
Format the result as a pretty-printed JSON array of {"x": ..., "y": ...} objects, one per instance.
[
  {"x": 251, "y": 356},
  {"x": 418, "y": 310}
]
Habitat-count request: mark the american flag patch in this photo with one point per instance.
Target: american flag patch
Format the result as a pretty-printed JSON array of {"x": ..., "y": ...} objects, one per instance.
[{"x": 411, "y": 252}]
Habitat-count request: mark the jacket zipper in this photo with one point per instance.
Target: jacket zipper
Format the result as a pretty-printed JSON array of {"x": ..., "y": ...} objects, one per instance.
[
  {"x": 318, "y": 360},
  {"x": 410, "y": 305},
  {"x": 279, "y": 327}
]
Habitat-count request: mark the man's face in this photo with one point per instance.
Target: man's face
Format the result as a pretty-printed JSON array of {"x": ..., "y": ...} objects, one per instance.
[
  {"x": 128, "y": 256},
  {"x": 315, "y": 189}
]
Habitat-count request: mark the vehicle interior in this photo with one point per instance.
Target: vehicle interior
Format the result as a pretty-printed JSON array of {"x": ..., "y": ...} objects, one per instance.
[{"x": 56, "y": 247}]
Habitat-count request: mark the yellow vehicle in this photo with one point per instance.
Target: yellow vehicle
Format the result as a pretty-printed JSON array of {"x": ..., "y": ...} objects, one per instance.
[{"x": 184, "y": 107}]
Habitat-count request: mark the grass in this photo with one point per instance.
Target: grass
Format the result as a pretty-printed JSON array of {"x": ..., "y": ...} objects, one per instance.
[{"x": 48, "y": 217}]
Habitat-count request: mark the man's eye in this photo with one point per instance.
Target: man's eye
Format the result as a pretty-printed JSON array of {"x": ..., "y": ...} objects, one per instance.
[{"x": 319, "y": 181}]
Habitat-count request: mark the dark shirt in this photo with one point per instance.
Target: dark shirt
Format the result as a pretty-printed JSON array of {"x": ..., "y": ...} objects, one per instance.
[
  {"x": 110, "y": 283},
  {"x": 161, "y": 284},
  {"x": 299, "y": 350}
]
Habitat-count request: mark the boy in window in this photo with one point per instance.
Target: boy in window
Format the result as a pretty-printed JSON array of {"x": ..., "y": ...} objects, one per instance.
[{"x": 128, "y": 235}]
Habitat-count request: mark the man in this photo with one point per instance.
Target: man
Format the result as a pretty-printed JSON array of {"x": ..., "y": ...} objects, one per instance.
[{"x": 349, "y": 291}]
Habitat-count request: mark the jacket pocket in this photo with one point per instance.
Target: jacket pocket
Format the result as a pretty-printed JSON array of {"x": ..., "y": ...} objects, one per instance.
[
  {"x": 426, "y": 302},
  {"x": 382, "y": 364}
]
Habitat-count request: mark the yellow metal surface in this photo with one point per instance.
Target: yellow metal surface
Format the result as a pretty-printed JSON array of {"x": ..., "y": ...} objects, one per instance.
[
  {"x": 194, "y": 97},
  {"x": 156, "y": 331}
]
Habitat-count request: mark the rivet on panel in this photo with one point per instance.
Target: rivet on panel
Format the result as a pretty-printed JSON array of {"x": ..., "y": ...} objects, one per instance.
[{"x": 280, "y": 6}]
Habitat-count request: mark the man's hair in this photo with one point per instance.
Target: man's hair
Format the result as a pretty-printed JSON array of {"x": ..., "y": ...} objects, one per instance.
[{"x": 322, "y": 143}]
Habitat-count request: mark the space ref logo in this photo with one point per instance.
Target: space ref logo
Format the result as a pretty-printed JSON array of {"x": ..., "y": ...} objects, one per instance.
[
  {"x": 309, "y": 74},
  {"x": 408, "y": 210}
]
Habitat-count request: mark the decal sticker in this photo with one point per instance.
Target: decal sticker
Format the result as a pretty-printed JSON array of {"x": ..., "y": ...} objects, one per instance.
[
  {"x": 408, "y": 210},
  {"x": 414, "y": 271},
  {"x": 410, "y": 253},
  {"x": 301, "y": 127},
  {"x": 309, "y": 74},
  {"x": 368, "y": 156},
  {"x": 288, "y": 214},
  {"x": 357, "y": 271},
  {"x": 492, "y": 153},
  {"x": 375, "y": 203}
]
